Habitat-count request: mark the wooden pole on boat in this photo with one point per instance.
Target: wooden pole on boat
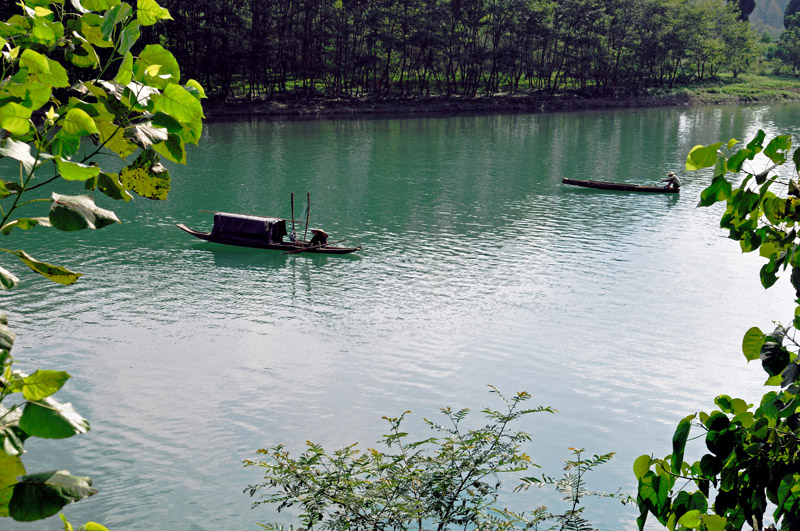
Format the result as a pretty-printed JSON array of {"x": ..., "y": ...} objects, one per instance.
[
  {"x": 292, "y": 212},
  {"x": 308, "y": 213}
]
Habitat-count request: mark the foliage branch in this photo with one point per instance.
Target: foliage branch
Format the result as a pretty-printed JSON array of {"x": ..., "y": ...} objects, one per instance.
[
  {"x": 451, "y": 480},
  {"x": 74, "y": 85},
  {"x": 753, "y": 457}
]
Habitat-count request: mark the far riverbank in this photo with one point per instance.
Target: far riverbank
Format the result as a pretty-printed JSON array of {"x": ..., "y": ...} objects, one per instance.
[{"x": 743, "y": 90}]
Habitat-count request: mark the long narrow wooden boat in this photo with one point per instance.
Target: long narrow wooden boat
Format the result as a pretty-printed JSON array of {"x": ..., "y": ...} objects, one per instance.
[
  {"x": 262, "y": 233},
  {"x": 604, "y": 185}
]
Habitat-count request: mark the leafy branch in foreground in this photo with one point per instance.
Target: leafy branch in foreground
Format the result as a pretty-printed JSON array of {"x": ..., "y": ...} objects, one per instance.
[
  {"x": 74, "y": 85},
  {"x": 753, "y": 457},
  {"x": 450, "y": 480}
]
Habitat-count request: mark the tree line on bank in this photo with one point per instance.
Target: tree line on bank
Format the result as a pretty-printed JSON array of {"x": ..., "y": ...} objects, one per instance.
[{"x": 406, "y": 48}]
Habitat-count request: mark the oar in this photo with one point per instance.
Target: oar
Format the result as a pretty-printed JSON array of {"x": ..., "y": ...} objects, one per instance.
[
  {"x": 295, "y": 251},
  {"x": 304, "y": 249}
]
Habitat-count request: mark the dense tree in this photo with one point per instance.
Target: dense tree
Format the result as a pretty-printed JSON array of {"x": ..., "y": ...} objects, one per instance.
[
  {"x": 745, "y": 7},
  {"x": 792, "y": 9},
  {"x": 382, "y": 48}
]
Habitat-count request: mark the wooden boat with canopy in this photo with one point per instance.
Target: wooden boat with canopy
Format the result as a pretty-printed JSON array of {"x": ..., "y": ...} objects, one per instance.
[
  {"x": 623, "y": 187},
  {"x": 265, "y": 233}
]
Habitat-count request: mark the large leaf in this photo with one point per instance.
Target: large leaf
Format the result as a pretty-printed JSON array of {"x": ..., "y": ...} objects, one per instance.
[
  {"x": 11, "y": 468},
  {"x": 38, "y": 496},
  {"x": 114, "y": 16},
  {"x": 99, "y": 5},
  {"x": 146, "y": 176},
  {"x": 125, "y": 70},
  {"x": 109, "y": 184},
  {"x": 75, "y": 171},
  {"x": 113, "y": 138},
  {"x": 78, "y": 123},
  {"x": 172, "y": 149},
  {"x": 50, "y": 419},
  {"x": 679, "y": 443},
  {"x": 15, "y": 118},
  {"x": 42, "y": 384},
  {"x": 148, "y": 12},
  {"x": 169, "y": 71},
  {"x": 778, "y": 148},
  {"x": 54, "y": 273},
  {"x": 78, "y": 212},
  {"x": 774, "y": 358},
  {"x": 702, "y": 157},
  {"x": 179, "y": 103},
  {"x": 752, "y": 342}
]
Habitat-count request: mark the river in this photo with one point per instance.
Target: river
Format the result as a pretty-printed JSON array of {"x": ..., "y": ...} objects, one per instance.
[{"x": 624, "y": 312}]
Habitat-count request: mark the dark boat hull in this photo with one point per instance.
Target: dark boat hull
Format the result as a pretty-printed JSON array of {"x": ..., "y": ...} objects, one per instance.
[
  {"x": 245, "y": 241},
  {"x": 604, "y": 185}
]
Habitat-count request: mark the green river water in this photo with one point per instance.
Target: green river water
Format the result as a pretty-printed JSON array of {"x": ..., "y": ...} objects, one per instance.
[{"x": 624, "y": 312}]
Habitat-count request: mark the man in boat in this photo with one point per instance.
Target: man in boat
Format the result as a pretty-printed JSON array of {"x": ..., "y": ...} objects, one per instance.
[
  {"x": 320, "y": 238},
  {"x": 672, "y": 181}
]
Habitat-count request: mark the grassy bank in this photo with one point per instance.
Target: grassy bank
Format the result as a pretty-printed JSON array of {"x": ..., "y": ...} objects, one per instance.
[{"x": 747, "y": 88}]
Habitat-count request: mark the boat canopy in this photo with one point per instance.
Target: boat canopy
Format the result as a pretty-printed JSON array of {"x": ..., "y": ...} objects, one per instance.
[{"x": 270, "y": 229}]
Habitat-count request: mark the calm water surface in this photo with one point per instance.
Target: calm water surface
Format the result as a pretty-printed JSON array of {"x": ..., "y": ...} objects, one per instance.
[{"x": 624, "y": 312}]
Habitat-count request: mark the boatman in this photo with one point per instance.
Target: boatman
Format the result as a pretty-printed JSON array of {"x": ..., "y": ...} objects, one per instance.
[
  {"x": 672, "y": 181},
  {"x": 320, "y": 238}
]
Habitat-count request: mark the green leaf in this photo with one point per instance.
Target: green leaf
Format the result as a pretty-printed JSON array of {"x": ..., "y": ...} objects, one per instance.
[
  {"x": 70, "y": 213},
  {"x": 109, "y": 184},
  {"x": 39, "y": 496},
  {"x": 45, "y": 69},
  {"x": 690, "y": 519},
  {"x": 146, "y": 176},
  {"x": 679, "y": 443},
  {"x": 65, "y": 145},
  {"x": 99, "y": 5},
  {"x": 719, "y": 190},
  {"x": 78, "y": 123},
  {"x": 75, "y": 171},
  {"x": 125, "y": 71},
  {"x": 641, "y": 466},
  {"x": 777, "y": 148},
  {"x": 148, "y": 12},
  {"x": 15, "y": 119},
  {"x": 155, "y": 54},
  {"x": 42, "y": 384},
  {"x": 114, "y": 139},
  {"x": 24, "y": 224},
  {"x": 129, "y": 37},
  {"x": 774, "y": 358},
  {"x": 50, "y": 419},
  {"x": 172, "y": 149},
  {"x": 702, "y": 157},
  {"x": 7, "y": 279},
  {"x": 11, "y": 468},
  {"x": 752, "y": 342},
  {"x": 54, "y": 273},
  {"x": 114, "y": 16},
  {"x": 756, "y": 145},
  {"x": 196, "y": 89},
  {"x": 177, "y": 102}
]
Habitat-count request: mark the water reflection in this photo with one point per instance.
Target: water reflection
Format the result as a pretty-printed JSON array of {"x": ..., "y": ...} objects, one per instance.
[{"x": 478, "y": 268}]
